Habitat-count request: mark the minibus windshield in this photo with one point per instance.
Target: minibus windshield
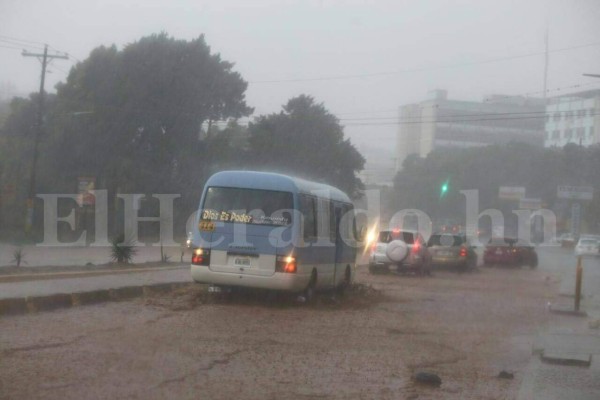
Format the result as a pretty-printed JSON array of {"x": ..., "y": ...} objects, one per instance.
[{"x": 248, "y": 206}]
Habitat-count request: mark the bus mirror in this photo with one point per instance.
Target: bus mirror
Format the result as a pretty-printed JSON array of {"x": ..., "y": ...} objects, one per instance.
[{"x": 362, "y": 233}]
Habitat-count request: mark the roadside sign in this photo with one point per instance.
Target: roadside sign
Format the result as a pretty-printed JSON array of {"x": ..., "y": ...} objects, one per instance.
[
  {"x": 575, "y": 192},
  {"x": 84, "y": 187},
  {"x": 511, "y": 192},
  {"x": 530, "y": 204}
]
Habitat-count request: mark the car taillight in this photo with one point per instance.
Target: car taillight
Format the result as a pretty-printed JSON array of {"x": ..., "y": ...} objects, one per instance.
[
  {"x": 286, "y": 264},
  {"x": 373, "y": 248},
  {"x": 463, "y": 252},
  {"x": 416, "y": 247},
  {"x": 201, "y": 257}
]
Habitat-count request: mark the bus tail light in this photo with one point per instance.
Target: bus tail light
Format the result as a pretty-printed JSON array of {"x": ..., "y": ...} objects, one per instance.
[
  {"x": 286, "y": 264},
  {"x": 201, "y": 257}
]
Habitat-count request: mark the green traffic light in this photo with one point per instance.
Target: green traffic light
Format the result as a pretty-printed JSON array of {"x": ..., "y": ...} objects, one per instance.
[{"x": 444, "y": 188}]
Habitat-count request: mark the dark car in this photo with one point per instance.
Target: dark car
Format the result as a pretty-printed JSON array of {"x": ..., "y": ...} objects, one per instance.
[
  {"x": 452, "y": 250},
  {"x": 509, "y": 251}
]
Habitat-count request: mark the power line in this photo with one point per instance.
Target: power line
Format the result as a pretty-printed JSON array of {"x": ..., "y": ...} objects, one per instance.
[
  {"x": 20, "y": 40},
  {"x": 444, "y": 116},
  {"x": 451, "y": 121},
  {"x": 21, "y": 45},
  {"x": 10, "y": 47},
  {"x": 369, "y": 75},
  {"x": 66, "y": 53}
]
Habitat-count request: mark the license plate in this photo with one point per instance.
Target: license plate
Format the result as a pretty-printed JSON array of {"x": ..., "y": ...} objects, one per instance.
[
  {"x": 242, "y": 262},
  {"x": 499, "y": 252},
  {"x": 206, "y": 226},
  {"x": 444, "y": 253}
]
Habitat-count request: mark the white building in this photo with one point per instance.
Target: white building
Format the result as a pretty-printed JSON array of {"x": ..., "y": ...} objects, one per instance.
[
  {"x": 438, "y": 122},
  {"x": 573, "y": 118}
]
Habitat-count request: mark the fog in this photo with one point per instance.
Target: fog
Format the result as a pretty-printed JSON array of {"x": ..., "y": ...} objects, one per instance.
[{"x": 392, "y": 52}]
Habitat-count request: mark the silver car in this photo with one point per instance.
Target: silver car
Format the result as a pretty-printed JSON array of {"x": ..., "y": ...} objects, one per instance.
[
  {"x": 400, "y": 250},
  {"x": 587, "y": 246}
]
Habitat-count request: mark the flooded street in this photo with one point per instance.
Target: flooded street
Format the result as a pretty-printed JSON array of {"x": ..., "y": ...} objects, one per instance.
[{"x": 466, "y": 328}]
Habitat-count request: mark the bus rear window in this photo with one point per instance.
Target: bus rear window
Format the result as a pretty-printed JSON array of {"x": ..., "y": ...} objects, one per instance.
[{"x": 248, "y": 206}]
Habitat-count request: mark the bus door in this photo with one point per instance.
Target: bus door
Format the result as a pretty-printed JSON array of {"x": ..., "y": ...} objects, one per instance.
[{"x": 338, "y": 271}]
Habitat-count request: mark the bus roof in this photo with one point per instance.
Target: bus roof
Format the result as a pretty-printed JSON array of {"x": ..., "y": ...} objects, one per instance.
[{"x": 273, "y": 181}]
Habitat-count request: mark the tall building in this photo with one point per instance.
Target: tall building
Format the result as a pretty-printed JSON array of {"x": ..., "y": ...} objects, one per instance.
[
  {"x": 440, "y": 122},
  {"x": 573, "y": 118}
]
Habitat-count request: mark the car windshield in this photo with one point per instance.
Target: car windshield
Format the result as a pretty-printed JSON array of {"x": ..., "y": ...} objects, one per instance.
[
  {"x": 446, "y": 240},
  {"x": 588, "y": 242},
  {"x": 388, "y": 236}
]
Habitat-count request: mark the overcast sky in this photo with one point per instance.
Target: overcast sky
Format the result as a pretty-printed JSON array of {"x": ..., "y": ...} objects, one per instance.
[{"x": 294, "y": 40}]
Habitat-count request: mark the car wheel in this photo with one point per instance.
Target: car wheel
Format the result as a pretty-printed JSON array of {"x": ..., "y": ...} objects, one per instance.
[
  {"x": 534, "y": 262},
  {"x": 346, "y": 282}
]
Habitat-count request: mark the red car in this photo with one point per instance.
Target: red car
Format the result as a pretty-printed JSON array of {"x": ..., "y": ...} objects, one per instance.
[{"x": 509, "y": 251}]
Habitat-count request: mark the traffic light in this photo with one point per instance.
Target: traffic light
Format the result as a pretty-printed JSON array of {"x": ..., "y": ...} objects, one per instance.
[{"x": 444, "y": 189}]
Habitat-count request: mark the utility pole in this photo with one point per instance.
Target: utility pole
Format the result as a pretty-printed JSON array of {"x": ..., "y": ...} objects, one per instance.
[
  {"x": 45, "y": 59},
  {"x": 546, "y": 65}
]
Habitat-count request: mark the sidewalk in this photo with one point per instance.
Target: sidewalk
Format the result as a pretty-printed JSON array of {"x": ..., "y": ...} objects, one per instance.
[
  {"x": 35, "y": 256},
  {"x": 566, "y": 356}
]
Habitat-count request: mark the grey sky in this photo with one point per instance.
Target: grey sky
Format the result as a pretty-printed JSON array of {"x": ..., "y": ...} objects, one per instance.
[{"x": 282, "y": 40}]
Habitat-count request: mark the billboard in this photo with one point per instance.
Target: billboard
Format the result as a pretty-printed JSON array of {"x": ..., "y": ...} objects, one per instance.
[
  {"x": 84, "y": 187},
  {"x": 511, "y": 192},
  {"x": 575, "y": 192}
]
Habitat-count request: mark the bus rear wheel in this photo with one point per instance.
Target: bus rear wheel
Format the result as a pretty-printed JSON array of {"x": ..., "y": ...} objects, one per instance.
[{"x": 309, "y": 292}]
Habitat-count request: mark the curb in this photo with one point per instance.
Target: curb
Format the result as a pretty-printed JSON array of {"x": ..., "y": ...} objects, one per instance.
[
  {"x": 562, "y": 358},
  {"x": 34, "y": 304},
  {"x": 80, "y": 274},
  {"x": 566, "y": 310}
]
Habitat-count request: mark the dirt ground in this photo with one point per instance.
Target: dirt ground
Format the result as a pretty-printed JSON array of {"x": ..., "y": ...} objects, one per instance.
[{"x": 465, "y": 328}]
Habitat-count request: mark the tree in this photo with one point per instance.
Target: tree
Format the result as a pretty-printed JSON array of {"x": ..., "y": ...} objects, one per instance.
[
  {"x": 16, "y": 152},
  {"x": 305, "y": 140},
  {"x": 132, "y": 119},
  {"x": 131, "y": 113}
]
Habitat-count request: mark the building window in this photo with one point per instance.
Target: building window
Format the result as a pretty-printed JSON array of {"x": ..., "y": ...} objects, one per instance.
[
  {"x": 556, "y": 116},
  {"x": 591, "y": 132},
  {"x": 580, "y": 132},
  {"x": 568, "y": 133},
  {"x": 569, "y": 115},
  {"x": 556, "y": 134},
  {"x": 547, "y": 118}
]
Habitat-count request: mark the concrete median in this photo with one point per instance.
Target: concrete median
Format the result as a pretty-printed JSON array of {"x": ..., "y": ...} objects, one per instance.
[{"x": 33, "y": 304}]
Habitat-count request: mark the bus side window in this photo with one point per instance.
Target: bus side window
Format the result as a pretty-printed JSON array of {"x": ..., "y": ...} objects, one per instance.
[
  {"x": 332, "y": 222},
  {"x": 323, "y": 219},
  {"x": 308, "y": 210},
  {"x": 348, "y": 224}
]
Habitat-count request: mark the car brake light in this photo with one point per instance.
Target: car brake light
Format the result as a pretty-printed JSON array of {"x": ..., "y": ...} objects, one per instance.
[
  {"x": 463, "y": 252},
  {"x": 286, "y": 264},
  {"x": 201, "y": 257},
  {"x": 416, "y": 247},
  {"x": 373, "y": 247}
]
